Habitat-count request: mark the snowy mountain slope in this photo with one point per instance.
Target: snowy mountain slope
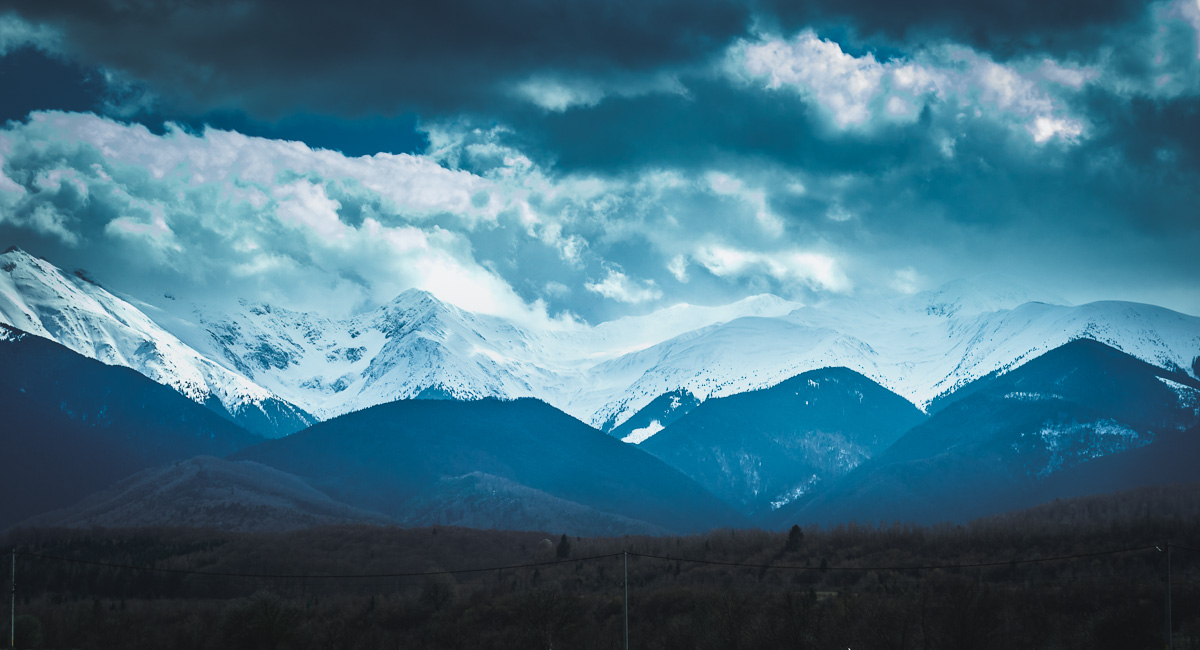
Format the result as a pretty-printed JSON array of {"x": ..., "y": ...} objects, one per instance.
[
  {"x": 411, "y": 345},
  {"x": 76, "y": 312},
  {"x": 417, "y": 346},
  {"x": 910, "y": 347}
]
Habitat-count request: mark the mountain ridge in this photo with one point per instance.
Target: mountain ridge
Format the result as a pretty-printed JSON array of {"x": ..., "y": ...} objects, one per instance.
[
  {"x": 1068, "y": 413},
  {"x": 762, "y": 449},
  {"x": 208, "y": 492},
  {"x": 922, "y": 347}
]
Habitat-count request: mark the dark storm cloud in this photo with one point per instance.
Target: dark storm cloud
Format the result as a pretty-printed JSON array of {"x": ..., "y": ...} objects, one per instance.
[
  {"x": 717, "y": 123},
  {"x": 44, "y": 81},
  {"x": 697, "y": 151},
  {"x": 377, "y": 57},
  {"x": 1003, "y": 27}
]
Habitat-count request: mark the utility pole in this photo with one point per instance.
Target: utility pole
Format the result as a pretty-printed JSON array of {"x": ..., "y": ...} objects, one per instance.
[
  {"x": 1167, "y": 547},
  {"x": 626, "y": 556},
  {"x": 12, "y": 617},
  {"x": 1170, "y": 641}
]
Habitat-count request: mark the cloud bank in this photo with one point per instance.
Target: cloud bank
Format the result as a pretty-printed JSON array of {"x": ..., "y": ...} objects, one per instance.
[{"x": 594, "y": 160}]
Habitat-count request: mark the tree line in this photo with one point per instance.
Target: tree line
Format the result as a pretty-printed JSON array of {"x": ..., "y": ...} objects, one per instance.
[{"x": 854, "y": 586}]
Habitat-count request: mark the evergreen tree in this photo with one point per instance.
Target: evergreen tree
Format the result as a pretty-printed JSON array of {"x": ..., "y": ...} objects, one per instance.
[{"x": 795, "y": 539}]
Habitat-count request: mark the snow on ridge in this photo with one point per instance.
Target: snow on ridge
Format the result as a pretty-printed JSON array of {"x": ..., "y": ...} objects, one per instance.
[
  {"x": 78, "y": 313},
  {"x": 9, "y": 334},
  {"x": 918, "y": 355},
  {"x": 1189, "y": 397}
]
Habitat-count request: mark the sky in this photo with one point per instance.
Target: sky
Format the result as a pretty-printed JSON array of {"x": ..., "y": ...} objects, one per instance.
[{"x": 561, "y": 162}]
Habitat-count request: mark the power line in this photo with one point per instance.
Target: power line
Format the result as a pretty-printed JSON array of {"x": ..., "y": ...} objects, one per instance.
[
  {"x": 412, "y": 574},
  {"x": 288, "y": 576},
  {"x": 924, "y": 567}
]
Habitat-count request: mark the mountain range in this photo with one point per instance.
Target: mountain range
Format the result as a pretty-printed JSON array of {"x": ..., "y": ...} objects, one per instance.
[
  {"x": 271, "y": 367},
  {"x": 944, "y": 405}
]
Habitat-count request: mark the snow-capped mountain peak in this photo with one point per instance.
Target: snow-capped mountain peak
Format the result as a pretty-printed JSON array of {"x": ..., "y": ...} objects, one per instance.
[
  {"x": 978, "y": 295},
  {"x": 74, "y": 310}
]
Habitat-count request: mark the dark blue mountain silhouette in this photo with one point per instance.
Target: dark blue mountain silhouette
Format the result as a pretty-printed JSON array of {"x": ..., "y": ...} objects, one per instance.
[
  {"x": 383, "y": 458},
  {"x": 73, "y": 425},
  {"x": 1082, "y": 414},
  {"x": 758, "y": 449}
]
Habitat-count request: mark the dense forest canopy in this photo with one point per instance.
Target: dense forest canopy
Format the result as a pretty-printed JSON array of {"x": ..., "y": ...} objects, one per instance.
[{"x": 1082, "y": 573}]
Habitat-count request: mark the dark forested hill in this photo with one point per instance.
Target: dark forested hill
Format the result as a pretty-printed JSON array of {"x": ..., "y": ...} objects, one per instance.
[
  {"x": 382, "y": 457},
  {"x": 761, "y": 449},
  {"x": 1081, "y": 415},
  {"x": 1074, "y": 574},
  {"x": 72, "y": 425},
  {"x": 207, "y": 492}
]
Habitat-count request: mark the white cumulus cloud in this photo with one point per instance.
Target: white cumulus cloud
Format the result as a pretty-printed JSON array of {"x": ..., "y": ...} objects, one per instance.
[
  {"x": 789, "y": 267},
  {"x": 861, "y": 92},
  {"x": 262, "y": 219},
  {"x": 617, "y": 286}
]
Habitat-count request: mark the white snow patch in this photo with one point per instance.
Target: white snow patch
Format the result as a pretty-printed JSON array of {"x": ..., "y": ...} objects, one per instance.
[
  {"x": 1073, "y": 444},
  {"x": 1024, "y": 396},
  {"x": 638, "y": 436},
  {"x": 795, "y": 493}
]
